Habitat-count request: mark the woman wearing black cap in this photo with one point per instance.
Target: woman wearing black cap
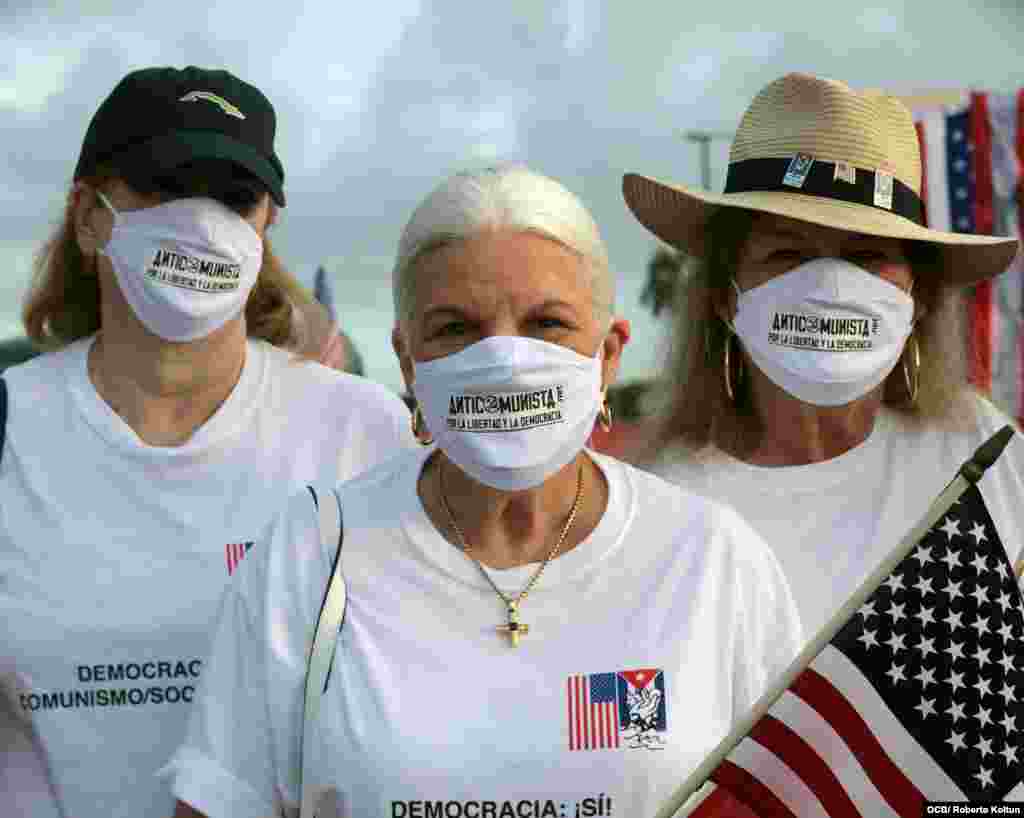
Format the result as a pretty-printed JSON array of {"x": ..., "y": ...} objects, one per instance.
[{"x": 144, "y": 453}]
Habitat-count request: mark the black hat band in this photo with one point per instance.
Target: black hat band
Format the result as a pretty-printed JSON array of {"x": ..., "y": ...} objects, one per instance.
[{"x": 830, "y": 180}]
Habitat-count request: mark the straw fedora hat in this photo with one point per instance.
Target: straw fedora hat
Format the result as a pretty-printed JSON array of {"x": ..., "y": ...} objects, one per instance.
[{"x": 814, "y": 149}]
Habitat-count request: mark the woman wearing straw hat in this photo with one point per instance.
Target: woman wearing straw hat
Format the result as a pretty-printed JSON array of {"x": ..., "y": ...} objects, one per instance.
[
  {"x": 818, "y": 370},
  {"x": 532, "y": 629}
]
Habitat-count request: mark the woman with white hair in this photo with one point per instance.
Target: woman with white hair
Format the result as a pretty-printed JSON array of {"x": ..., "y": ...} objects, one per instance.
[{"x": 532, "y": 629}]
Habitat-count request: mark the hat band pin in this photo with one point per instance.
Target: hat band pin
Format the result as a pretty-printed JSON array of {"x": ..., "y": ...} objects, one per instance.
[{"x": 815, "y": 177}]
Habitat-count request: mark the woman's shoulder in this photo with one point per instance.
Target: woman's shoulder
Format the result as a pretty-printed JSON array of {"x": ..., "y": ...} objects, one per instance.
[
  {"x": 310, "y": 389},
  {"x": 670, "y": 504},
  {"x": 972, "y": 420},
  {"x": 48, "y": 369}
]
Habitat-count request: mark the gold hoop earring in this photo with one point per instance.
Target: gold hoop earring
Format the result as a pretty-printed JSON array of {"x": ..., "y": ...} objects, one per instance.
[
  {"x": 912, "y": 379},
  {"x": 727, "y": 370},
  {"x": 419, "y": 427},
  {"x": 604, "y": 416}
]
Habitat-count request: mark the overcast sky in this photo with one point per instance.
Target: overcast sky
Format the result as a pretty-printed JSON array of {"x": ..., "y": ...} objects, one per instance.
[{"x": 376, "y": 105}]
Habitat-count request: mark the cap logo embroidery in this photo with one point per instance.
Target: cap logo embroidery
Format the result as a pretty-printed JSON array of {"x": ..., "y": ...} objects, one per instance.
[{"x": 220, "y": 102}]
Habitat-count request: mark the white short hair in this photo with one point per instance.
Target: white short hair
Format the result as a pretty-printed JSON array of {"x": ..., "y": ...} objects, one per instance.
[{"x": 509, "y": 196}]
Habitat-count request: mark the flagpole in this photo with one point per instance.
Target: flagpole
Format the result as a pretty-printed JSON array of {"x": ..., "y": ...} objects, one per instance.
[{"x": 969, "y": 473}]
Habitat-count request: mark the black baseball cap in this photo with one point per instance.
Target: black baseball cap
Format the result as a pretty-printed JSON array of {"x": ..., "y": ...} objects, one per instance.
[{"x": 158, "y": 119}]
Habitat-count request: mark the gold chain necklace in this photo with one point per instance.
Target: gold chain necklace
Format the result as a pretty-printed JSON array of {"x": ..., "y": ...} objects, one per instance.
[{"x": 514, "y": 629}]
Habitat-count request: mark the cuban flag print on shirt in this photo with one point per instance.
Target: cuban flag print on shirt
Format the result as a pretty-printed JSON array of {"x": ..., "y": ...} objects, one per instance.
[{"x": 607, "y": 711}]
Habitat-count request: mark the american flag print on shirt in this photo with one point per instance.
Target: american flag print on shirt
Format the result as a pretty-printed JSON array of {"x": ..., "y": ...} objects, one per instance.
[
  {"x": 607, "y": 711},
  {"x": 917, "y": 698},
  {"x": 234, "y": 552}
]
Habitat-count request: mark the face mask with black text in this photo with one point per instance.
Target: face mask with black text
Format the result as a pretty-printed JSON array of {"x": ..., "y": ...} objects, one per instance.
[
  {"x": 510, "y": 411},
  {"x": 185, "y": 267},
  {"x": 827, "y": 331}
]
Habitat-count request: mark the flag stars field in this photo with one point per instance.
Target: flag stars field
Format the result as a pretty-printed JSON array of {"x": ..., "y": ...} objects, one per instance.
[
  {"x": 926, "y": 707},
  {"x": 869, "y": 640},
  {"x": 956, "y": 712},
  {"x": 952, "y": 589},
  {"x": 1008, "y": 693},
  {"x": 895, "y": 643},
  {"x": 926, "y": 647},
  {"x": 955, "y": 680},
  {"x": 926, "y": 677},
  {"x": 954, "y": 638},
  {"x": 920, "y": 683},
  {"x": 895, "y": 583},
  {"x": 895, "y": 673},
  {"x": 951, "y": 528}
]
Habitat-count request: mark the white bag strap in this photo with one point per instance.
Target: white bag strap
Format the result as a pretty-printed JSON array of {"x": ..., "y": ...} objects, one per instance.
[{"x": 325, "y": 640}]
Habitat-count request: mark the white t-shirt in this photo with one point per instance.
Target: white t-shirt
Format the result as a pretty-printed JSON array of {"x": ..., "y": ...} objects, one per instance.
[
  {"x": 646, "y": 642},
  {"x": 832, "y": 523},
  {"x": 26, "y": 787},
  {"x": 114, "y": 553}
]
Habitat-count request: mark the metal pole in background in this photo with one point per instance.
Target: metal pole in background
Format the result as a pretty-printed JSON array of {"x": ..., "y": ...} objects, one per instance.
[{"x": 703, "y": 140}]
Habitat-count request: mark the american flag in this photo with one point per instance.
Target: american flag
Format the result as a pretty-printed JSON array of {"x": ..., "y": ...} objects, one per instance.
[
  {"x": 234, "y": 552},
  {"x": 973, "y": 154},
  {"x": 917, "y": 698},
  {"x": 593, "y": 711},
  {"x": 323, "y": 292}
]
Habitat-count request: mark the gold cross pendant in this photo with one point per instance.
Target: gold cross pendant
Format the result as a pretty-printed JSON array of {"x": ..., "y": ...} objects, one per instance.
[{"x": 514, "y": 629}]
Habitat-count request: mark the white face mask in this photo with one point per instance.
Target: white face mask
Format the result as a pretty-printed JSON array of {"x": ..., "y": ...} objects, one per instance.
[
  {"x": 186, "y": 267},
  {"x": 827, "y": 331},
  {"x": 510, "y": 411}
]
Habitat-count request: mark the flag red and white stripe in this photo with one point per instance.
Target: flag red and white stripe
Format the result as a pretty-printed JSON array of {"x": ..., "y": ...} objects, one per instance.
[
  {"x": 990, "y": 189},
  {"x": 234, "y": 552},
  {"x": 917, "y": 698}
]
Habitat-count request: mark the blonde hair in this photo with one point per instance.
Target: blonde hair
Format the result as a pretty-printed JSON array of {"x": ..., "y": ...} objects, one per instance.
[
  {"x": 63, "y": 303},
  {"x": 698, "y": 412},
  {"x": 509, "y": 196}
]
